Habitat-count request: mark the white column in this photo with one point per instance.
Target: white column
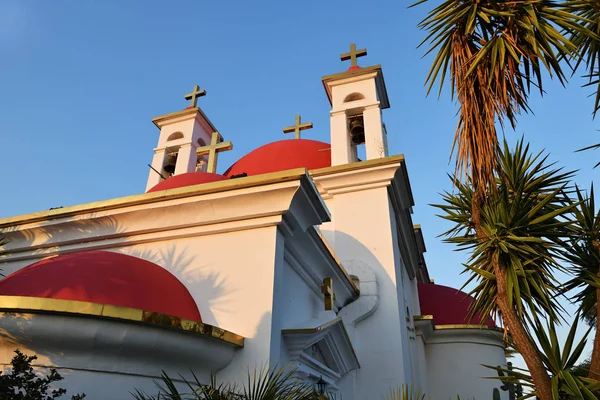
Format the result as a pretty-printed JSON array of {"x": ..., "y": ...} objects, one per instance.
[
  {"x": 341, "y": 143},
  {"x": 375, "y": 142},
  {"x": 186, "y": 159},
  {"x": 158, "y": 161}
]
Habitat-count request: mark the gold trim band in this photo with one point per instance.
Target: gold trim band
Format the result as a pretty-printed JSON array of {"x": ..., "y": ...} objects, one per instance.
[{"x": 60, "y": 306}]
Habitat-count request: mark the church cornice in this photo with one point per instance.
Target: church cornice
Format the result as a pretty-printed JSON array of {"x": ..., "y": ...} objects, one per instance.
[
  {"x": 283, "y": 198},
  {"x": 155, "y": 197},
  {"x": 182, "y": 115}
]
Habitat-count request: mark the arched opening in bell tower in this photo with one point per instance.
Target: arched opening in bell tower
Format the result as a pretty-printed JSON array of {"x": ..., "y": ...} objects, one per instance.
[{"x": 170, "y": 161}]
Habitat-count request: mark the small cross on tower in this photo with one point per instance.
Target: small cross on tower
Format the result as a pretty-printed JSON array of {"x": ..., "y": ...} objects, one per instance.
[
  {"x": 193, "y": 96},
  {"x": 353, "y": 54},
  {"x": 298, "y": 127},
  {"x": 216, "y": 146},
  {"x": 327, "y": 290}
]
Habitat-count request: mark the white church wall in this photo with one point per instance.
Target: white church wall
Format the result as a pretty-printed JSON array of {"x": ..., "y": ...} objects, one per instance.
[
  {"x": 232, "y": 283},
  {"x": 361, "y": 233},
  {"x": 405, "y": 307},
  {"x": 366, "y": 87},
  {"x": 296, "y": 304},
  {"x": 454, "y": 362}
]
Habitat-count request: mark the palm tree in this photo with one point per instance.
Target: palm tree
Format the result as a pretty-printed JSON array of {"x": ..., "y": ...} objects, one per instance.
[
  {"x": 515, "y": 245},
  {"x": 584, "y": 255},
  {"x": 493, "y": 53}
]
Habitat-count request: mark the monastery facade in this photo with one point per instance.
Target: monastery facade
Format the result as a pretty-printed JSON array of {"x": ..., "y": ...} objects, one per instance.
[{"x": 299, "y": 254}]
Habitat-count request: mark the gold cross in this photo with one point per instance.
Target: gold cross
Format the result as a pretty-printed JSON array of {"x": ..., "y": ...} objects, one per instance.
[
  {"x": 353, "y": 55},
  {"x": 216, "y": 146},
  {"x": 298, "y": 127},
  {"x": 194, "y": 95},
  {"x": 327, "y": 290}
]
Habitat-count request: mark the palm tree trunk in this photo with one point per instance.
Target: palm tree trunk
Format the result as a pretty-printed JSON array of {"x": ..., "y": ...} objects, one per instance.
[
  {"x": 521, "y": 338},
  {"x": 595, "y": 362}
]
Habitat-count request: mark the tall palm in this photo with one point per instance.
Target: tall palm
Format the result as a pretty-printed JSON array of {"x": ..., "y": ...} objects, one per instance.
[
  {"x": 515, "y": 246},
  {"x": 584, "y": 255},
  {"x": 493, "y": 53}
]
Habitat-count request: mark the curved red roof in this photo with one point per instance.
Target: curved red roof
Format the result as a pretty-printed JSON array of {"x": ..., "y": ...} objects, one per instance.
[
  {"x": 283, "y": 155},
  {"x": 104, "y": 277},
  {"x": 448, "y": 306},
  {"x": 187, "y": 179}
]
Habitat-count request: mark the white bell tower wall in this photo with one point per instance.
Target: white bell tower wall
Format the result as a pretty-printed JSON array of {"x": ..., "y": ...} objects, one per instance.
[
  {"x": 181, "y": 133},
  {"x": 357, "y": 97}
]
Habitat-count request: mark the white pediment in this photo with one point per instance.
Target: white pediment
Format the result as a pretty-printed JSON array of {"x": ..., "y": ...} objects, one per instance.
[{"x": 321, "y": 348}]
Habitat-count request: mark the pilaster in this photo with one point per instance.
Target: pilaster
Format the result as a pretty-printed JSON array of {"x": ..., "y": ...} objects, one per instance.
[
  {"x": 375, "y": 142},
  {"x": 342, "y": 151}
]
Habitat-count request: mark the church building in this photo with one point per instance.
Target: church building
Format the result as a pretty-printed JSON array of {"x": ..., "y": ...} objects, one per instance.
[{"x": 300, "y": 254}]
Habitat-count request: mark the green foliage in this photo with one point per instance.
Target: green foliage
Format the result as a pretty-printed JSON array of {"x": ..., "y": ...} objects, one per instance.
[
  {"x": 23, "y": 383},
  {"x": 514, "y": 389},
  {"x": 582, "y": 369},
  {"x": 265, "y": 384},
  {"x": 523, "y": 227},
  {"x": 493, "y": 52},
  {"x": 587, "y": 40},
  {"x": 560, "y": 361},
  {"x": 583, "y": 252},
  {"x": 404, "y": 392}
]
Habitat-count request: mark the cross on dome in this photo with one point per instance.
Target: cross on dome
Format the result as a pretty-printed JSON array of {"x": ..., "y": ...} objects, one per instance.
[
  {"x": 353, "y": 54},
  {"x": 297, "y": 127},
  {"x": 216, "y": 146},
  {"x": 193, "y": 96},
  {"x": 329, "y": 296}
]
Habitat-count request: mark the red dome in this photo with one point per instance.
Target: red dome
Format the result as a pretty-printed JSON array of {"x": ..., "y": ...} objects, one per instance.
[
  {"x": 187, "y": 179},
  {"x": 283, "y": 155},
  {"x": 448, "y": 306},
  {"x": 104, "y": 277}
]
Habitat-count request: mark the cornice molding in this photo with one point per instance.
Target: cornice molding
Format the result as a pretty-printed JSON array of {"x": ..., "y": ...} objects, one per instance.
[
  {"x": 201, "y": 210},
  {"x": 457, "y": 333}
]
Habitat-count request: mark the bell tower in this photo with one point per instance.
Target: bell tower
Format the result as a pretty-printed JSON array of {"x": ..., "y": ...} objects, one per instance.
[
  {"x": 357, "y": 97},
  {"x": 181, "y": 133}
]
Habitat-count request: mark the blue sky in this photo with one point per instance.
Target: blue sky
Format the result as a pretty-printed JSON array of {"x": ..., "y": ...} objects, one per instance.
[{"x": 80, "y": 82}]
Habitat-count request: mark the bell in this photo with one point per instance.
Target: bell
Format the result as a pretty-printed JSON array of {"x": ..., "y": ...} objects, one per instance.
[
  {"x": 170, "y": 164},
  {"x": 357, "y": 130}
]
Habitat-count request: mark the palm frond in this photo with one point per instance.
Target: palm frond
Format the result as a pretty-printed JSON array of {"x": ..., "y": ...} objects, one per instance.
[
  {"x": 493, "y": 52},
  {"x": 583, "y": 253},
  {"x": 587, "y": 40},
  {"x": 524, "y": 225},
  {"x": 405, "y": 392},
  {"x": 559, "y": 360}
]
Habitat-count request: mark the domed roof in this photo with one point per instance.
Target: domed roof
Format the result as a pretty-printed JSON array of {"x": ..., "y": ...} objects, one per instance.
[
  {"x": 187, "y": 179},
  {"x": 283, "y": 155},
  {"x": 104, "y": 277},
  {"x": 448, "y": 306}
]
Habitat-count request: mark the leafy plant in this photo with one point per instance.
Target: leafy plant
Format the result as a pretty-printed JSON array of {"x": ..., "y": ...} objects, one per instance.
[
  {"x": 515, "y": 235},
  {"x": 583, "y": 252},
  {"x": 560, "y": 362},
  {"x": 405, "y": 392},
  {"x": 23, "y": 383},
  {"x": 265, "y": 384}
]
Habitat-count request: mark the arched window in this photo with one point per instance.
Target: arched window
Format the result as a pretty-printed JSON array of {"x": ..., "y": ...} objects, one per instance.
[
  {"x": 201, "y": 142},
  {"x": 353, "y": 97},
  {"x": 175, "y": 136}
]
